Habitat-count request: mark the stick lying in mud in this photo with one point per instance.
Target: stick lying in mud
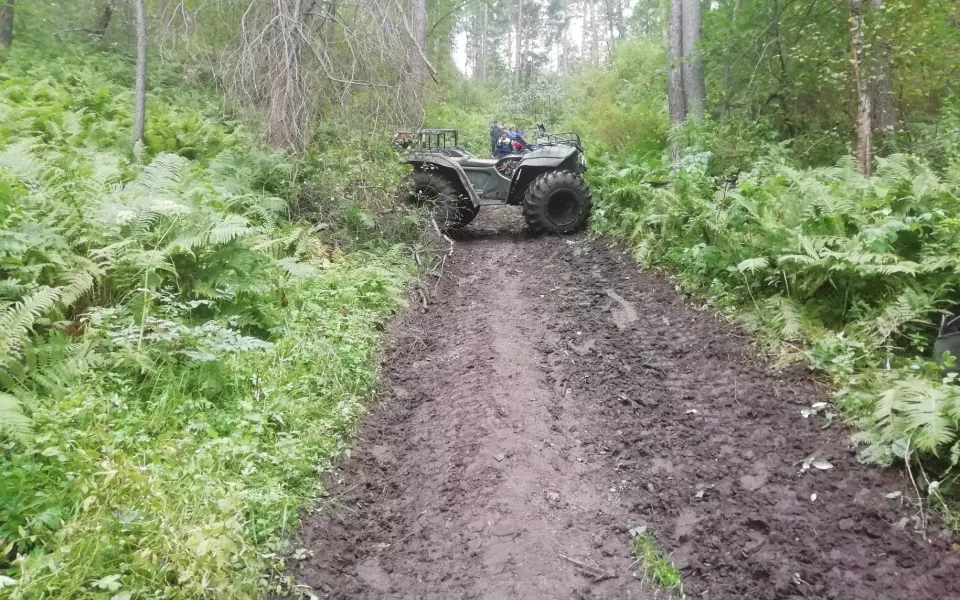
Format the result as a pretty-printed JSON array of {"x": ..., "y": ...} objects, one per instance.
[
  {"x": 594, "y": 572},
  {"x": 443, "y": 235}
]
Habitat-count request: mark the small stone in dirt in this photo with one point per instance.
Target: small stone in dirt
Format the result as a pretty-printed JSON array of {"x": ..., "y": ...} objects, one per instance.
[
  {"x": 638, "y": 531},
  {"x": 499, "y": 457},
  {"x": 650, "y": 487}
]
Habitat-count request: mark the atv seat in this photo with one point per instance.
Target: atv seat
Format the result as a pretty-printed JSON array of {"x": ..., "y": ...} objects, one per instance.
[{"x": 478, "y": 163}]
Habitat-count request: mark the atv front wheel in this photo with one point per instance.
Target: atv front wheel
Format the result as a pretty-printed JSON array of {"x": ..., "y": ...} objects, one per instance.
[
  {"x": 558, "y": 202},
  {"x": 451, "y": 208}
]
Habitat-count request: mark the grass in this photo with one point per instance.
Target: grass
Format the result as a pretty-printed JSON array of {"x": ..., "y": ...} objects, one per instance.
[{"x": 656, "y": 567}]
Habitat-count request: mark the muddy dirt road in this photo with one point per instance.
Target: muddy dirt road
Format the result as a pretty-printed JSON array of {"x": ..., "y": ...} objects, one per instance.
[{"x": 550, "y": 399}]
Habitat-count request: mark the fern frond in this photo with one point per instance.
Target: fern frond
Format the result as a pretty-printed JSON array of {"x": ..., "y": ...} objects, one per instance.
[
  {"x": 918, "y": 409},
  {"x": 229, "y": 228},
  {"x": 161, "y": 175},
  {"x": 16, "y": 320},
  {"x": 297, "y": 269},
  {"x": 19, "y": 159},
  {"x": 785, "y": 317},
  {"x": 12, "y": 419},
  {"x": 752, "y": 265},
  {"x": 910, "y": 306}
]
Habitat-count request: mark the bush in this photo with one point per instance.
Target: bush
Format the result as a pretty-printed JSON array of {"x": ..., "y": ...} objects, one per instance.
[
  {"x": 178, "y": 360},
  {"x": 852, "y": 271}
]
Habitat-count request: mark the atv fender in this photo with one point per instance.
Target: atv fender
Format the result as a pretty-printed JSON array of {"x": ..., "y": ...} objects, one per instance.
[
  {"x": 442, "y": 162},
  {"x": 550, "y": 156},
  {"x": 538, "y": 162}
]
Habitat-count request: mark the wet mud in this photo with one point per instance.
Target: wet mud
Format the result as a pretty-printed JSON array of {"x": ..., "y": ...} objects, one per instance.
[{"x": 551, "y": 397}]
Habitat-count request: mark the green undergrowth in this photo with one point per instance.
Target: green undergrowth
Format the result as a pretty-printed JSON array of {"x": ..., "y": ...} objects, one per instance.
[
  {"x": 178, "y": 360},
  {"x": 655, "y": 566},
  {"x": 847, "y": 272}
]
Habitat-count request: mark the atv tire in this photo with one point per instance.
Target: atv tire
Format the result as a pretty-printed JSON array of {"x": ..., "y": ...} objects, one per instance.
[
  {"x": 558, "y": 202},
  {"x": 451, "y": 207}
]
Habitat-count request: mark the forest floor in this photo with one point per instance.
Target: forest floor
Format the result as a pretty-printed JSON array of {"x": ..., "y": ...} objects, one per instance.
[{"x": 550, "y": 398}]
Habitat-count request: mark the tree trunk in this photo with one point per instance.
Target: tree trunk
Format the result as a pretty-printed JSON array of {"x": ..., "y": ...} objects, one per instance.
[
  {"x": 610, "y": 25},
  {"x": 519, "y": 48},
  {"x": 594, "y": 40},
  {"x": 727, "y": 60},
  {"x": 140, "y": 103},
  {"x": 562, "y": 60},
  {"x": 287, "y": 107},
  {"x": 330, "y": 22},
  {"x": 100, "y": 29},
  {"x": 484, "y": 52},
  {"x": 6, "y": 27},
  {"x": 675, "y": 99},
  {"x": 883, "y": 117},
  {"x": 621, "y": 25},
  {"x": 583, "y": 37},
  {"x": 694, "y": 90},
  {"x": 864, "y": 104},
  {"x": 418, "y": 21}
]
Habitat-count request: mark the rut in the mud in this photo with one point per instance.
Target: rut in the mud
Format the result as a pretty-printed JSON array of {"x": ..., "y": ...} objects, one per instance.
[{"x": 552, "y": 398}]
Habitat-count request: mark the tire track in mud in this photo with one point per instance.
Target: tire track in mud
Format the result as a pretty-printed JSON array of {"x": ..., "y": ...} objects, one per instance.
[{"x": 553, "y": 397}]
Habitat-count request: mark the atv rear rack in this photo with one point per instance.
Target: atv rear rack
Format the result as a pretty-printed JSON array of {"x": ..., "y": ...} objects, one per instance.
[
  {"x": 556, "y": 139},
  {"x": 429, "y": 139}
]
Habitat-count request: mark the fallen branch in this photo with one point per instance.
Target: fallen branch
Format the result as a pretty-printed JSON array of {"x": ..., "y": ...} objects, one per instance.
[
  {"x": 595, "y": 572},
  {"x": 443, "y": 235}
]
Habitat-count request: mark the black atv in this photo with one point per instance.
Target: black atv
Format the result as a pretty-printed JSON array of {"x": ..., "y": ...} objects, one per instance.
[{"x": 546, "y": 179}]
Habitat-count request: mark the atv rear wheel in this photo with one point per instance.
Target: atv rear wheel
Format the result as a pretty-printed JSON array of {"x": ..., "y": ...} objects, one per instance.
[
  {"x": 451, "y": 207},
  {"x": 558, "y": 202}
]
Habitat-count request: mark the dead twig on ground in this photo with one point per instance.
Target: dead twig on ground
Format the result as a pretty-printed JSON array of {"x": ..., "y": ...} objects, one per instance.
[
  {"x": 593, "y": 571},
  {"x": 443, "y": 235}
]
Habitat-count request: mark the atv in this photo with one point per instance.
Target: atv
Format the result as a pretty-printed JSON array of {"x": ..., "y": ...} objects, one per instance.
[{"x": 546, "y": 180}]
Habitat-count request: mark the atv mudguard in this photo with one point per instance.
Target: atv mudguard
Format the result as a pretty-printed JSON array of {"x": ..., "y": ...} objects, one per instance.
[
  {"x": 548, "y": 156},
  {"x": 417, "y": 160}
]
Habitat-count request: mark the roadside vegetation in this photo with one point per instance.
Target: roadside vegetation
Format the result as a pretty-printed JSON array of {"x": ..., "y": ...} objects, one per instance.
[
  {"x": 188, "y": 329},
  {"x": 766, "y": 206}
]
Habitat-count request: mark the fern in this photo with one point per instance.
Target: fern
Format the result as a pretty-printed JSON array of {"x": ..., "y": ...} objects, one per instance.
[
  {"x": 751, "y": 265},
  {"x": 17, "y": 320},
  {"x": 921, "y": 411},
  {"x": 785, "y": 317},
  {"x": 12, "y": 419},
  {"x": 910, "y": 306}
]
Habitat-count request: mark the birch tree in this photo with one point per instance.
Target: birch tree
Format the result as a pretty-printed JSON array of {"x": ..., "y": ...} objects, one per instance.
[
  {"x": 140, "y": 101},
  {"x": 883, "y": 117},
  {"x": 864, "y": 122},
  {"x": 675, "y": 96},
  {"x": 694, "y": 90}
]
